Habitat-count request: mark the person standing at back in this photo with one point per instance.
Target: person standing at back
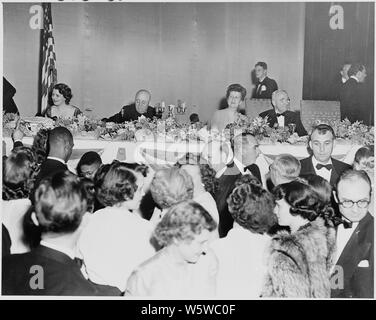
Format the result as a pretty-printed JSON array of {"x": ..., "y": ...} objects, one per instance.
[{"x": 264, "y": 86}]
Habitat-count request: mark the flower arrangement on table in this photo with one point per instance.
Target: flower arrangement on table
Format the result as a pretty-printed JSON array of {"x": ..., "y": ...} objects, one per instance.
[
  {"x": 81, "y": 126},
  {"x": 355, "y": 133}
]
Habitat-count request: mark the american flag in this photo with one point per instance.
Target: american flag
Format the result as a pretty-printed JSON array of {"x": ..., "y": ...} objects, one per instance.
[{"x": 49, "y": 72}]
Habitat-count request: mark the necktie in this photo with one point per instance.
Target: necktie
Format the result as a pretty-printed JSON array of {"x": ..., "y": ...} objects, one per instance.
[
  {"x": 347, "y": 224},
  {"x": 326, "y": 166},
  {"x": 281, "y": 114},
  {"x": 258, "y": 91}
]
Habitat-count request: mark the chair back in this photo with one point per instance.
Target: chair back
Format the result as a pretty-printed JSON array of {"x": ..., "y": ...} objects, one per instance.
[
  {"x": 256, "y": 106},
  {"x": 313, "y": 110}
]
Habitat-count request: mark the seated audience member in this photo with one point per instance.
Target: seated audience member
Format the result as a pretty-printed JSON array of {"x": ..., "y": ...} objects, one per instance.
[
  {"x": 193, "y": 118},
  {"x": 185, "y": 267},
  {"x": 59, "y": 102},
  {"x": 299, "y": 262},
  {"x": 364, "y": 160},
  {"x": 115, "y": 239},
  {"x": 50, "y": 269},
  {"x": 60, "y": 143},
  {"x": 235, "y": 96},
  {"x": 321, "y": 163},
  {"x": 352, "y": 99},
  {"x": 135, "y": 110},
  {"x": 169, "y": 187},
  {"x": 200, "y": 195},
  {"x": 19, "y": 172},
  {"x": 241, "y": 265},
  {"x": 264, "y": 86},
  {"x": 353, "y": 275},
  {"x": 280, "y": 115},
  {"x": 88, "y": 165},
  {"x": 285, "y": 168}
]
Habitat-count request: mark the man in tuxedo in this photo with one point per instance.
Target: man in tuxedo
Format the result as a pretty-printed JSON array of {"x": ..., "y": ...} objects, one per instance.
[
  {"x": 137, "y": 109},
  {"x": 264, "y": 86},
  {"x": 321, "y": 163},
  {"x": 352, "y": 276},
  {"x": 61, "y": 144},
  {"x": 51, "y": 269},
  {"x": 280, "y": 115},
  {"x": 352, "y": 100},
  {"x": 229, "y": 168}
]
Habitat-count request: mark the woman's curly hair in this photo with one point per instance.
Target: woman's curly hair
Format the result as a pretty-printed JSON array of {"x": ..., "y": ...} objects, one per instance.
[
  {"x": 115, "y": 183},
  {"x": 252, "y": 207},
  {"x": 40, "y": 145},
  {"x": 60, "y": 203},
  {"x": 171, "y": 186},
  {"x": 183, "y": 222},
  {"x": 304, "y": 200},
  {"x": 19, "y": 172},
  {"x": 64, "y": 90}
]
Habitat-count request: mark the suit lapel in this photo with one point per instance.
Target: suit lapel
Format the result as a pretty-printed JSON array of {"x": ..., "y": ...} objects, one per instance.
[{"x": 334, "y": 175}]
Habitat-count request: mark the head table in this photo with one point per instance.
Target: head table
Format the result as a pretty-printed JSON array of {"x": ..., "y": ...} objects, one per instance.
[{"x": 162, "y": 153}]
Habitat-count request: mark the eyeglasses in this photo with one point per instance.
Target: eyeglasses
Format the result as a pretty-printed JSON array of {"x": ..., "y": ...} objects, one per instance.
[{"x": 349, "y": 203}]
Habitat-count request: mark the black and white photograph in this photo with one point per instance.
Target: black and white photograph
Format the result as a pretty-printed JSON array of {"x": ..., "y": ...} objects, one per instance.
[{"x": 176, "y": 150}]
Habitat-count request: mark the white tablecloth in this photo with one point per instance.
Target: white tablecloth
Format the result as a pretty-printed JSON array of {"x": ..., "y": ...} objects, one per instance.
[{"x": 169, "y": 152}]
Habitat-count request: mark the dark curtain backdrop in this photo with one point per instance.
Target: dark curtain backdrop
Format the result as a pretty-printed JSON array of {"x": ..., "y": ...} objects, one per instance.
[{"x": 326, "y": 49}]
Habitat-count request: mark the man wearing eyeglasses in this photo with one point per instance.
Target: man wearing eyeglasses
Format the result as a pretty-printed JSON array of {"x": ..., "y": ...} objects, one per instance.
[
  {"x": 354, "y": 259},
  {"x": 137, "y": 109},
  {"x": 280, "y": 115}
]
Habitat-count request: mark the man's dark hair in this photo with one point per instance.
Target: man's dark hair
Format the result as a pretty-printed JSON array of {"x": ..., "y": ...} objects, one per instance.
[
  {"x": 355, "y": 68},
  {"x": 323, "y": 128},
  {"x": 262, "y": 65},
  {"x": 88, "y": 159},
  {"x": 59, "y": 135}
]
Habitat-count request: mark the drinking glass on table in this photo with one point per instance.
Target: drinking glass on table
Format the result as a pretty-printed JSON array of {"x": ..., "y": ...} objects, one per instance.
[{"x": 292, "y": 127}]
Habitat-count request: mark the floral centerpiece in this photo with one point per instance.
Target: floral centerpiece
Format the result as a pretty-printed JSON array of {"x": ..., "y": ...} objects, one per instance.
[
  {"x": 9, "y": 123},
  {"x": 81, "y": 126},
  {"x": 356, "y": 132}
]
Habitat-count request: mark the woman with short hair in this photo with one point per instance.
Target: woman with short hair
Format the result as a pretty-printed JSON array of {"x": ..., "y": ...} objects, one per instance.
[
  {"x": 116, "y": 238},
  {"x": 59, "y": 103},
  {"x": 235, "y": 96},
  {"x": 184, "y": 267},
  {"x": 19, "y": 172},
  {"x": 241, "y": 253},
  {"x": 299, "y": 262}
]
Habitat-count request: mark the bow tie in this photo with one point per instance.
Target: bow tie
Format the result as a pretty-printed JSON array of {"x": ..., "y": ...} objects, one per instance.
[
  {"x": 326, "y": 166},
  {"x": 347, "y": 224},
  {"x": 281, "y": 114}
]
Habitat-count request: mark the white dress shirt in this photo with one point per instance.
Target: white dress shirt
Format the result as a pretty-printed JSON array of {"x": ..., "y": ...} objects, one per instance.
[
  {"x": 113, "y": 243},
  {"x": 281, "y": 121},
  {"x": 242, "y": 263},
  {"x": 57, "y": 159},
  {"x": 323, "y": 172}
]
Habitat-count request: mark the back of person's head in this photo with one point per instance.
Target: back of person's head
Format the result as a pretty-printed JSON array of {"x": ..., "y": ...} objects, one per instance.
[
  {"x": 19, "y": 171},
  {"x": 237, "y": 88},
  {"x": 320, "y": 185},
  {"x": 60, "y": 203},
  {"x": 59, "y": 136},
  {"x": 247, "y": 179},
  {"x": 252, "y": 207},
  {"x": 40, "y": 145},
  {"x": 364, "y": 158},
  {"x": 87, "y": 159},
  {"x": 284, "y": 167},
  {"x": 262, "y": 65},
  {"x": 171, "y": 186},
  {"x": 182, "y": 223},
  {"x": 355, "y": 68},
  {"x": 193, "y": 118},
  {"x": 141, "y": 168},
  {"x": 303, "y": 200},
  {"x": 89, "y": 188},
  {"x": 115, "y": 183}
]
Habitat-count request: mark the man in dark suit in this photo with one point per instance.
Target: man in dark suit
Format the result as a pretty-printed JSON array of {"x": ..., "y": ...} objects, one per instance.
[
  {"x": 321, "y": 163},
  {"x": 352, "y": 100},
  {"x": 280, "y": 115},
  {"x": 264, "y": 86},
  {"x": 352, "y": 276},
  {"x": 137, "y": 109},
  {"x": 60, "y": 143},
  {"x": 51, "y": 269},
  {"x": 229, "y": 168}
]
